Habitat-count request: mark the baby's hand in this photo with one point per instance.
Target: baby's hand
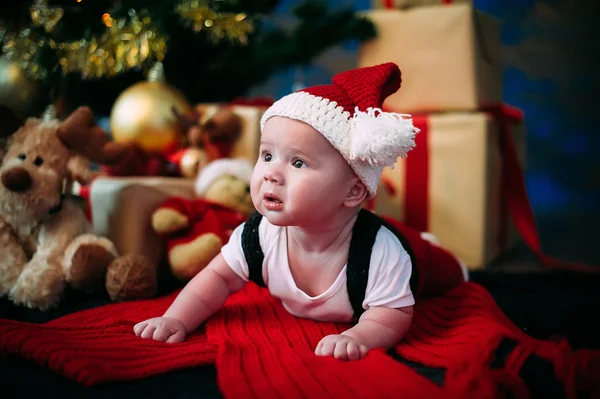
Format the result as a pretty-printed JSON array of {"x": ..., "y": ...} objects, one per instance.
[
  {"x": 163, "y": 329},
  {"x": 341, "y": 347}
]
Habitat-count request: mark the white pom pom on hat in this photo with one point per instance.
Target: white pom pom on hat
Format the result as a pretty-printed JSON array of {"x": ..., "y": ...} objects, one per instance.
[{"x": 348, "y": 113}]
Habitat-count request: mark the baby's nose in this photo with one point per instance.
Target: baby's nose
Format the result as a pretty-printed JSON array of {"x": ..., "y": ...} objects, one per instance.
[{"x": 272, "y": 177}]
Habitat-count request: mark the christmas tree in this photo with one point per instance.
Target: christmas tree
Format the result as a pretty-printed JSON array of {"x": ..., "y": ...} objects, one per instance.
[{"x": 89, "y": 51}]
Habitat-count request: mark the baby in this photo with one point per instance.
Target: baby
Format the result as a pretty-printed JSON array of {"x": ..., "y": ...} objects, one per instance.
[{"x": 322, "y": 151}]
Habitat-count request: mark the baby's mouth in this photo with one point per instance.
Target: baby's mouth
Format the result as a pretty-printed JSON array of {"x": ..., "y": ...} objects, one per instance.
[{"x": 272, "y": 198}]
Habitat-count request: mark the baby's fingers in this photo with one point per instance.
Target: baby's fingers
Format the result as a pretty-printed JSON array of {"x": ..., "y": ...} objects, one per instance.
[
  {"x": 325, "y": 347},
  {"x": 341, "y": 350},
  {"x": 363, "y": 350},
  {"x": 161, "y": 333},
  {"x": 148, "y": 331},
  {"x": 139, "y": 327},
  {"x": 353, "y": 351},
  {"x": 176, "y": 338}
]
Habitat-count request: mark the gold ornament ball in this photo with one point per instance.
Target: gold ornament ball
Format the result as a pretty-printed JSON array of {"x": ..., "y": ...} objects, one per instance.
[
  {"x": 25, "y": 97},
  {"x": 193, "y": 161},
  {"x": 143, "y": 114}
]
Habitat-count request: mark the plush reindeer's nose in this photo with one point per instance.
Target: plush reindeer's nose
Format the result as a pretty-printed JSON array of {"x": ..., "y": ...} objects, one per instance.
[{"x": 16, "y": 179}]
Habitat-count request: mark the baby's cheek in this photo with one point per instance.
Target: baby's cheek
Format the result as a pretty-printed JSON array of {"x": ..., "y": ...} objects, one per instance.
[{"x": 255, "y": 184}]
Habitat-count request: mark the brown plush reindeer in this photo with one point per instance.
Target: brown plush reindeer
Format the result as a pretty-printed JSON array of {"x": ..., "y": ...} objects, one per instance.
[{"x": 45, "y": 239}]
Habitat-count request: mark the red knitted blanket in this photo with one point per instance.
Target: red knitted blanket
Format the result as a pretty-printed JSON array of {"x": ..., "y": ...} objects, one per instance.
[{"x": 261, "y": 351}]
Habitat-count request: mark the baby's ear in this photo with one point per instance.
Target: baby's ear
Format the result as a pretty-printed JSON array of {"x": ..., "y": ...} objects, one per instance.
[{"x": 357, "y": 194}]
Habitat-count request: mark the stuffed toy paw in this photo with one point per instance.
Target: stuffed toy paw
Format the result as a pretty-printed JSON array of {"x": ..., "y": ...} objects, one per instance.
[
  {"x": 188, "y": 257},
  {"x": 196, "y": 229},
  {"x": 167, "y": 219},
  {"x": 131, "y": 276}
]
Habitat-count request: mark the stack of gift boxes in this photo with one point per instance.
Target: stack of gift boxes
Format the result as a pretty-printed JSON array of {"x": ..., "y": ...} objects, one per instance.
[{"x": 451, "y": 184}]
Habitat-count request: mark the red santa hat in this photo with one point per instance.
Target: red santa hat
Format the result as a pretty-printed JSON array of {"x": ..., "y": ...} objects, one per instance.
[
  {"x": 348, "y": 113},
  {"x": 240, "y": 168}
]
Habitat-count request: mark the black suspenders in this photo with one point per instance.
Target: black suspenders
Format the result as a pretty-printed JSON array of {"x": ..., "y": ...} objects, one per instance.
[
  {"x": 252, "y": 250},
  {"x": 364, "y": 233}
]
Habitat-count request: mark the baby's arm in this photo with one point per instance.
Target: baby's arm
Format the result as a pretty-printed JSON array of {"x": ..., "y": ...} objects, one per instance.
[
  {"x": 378, "y": 327},
  {"x": 199, "y": 299},
  {"x": 381, "y": 327}
]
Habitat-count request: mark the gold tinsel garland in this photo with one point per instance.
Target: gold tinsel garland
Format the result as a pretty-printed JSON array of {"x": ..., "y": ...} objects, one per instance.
[
  {"x": 219, "y": 26},
  {"x": 23, "y": 47},
  {"x": 43, "y": 15},
  {"x": 127, "y": 43}
]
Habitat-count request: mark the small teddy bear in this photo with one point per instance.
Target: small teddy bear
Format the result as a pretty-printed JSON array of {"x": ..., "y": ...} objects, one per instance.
[
  {"x": 196, "y": 229},
  {"x": 208, "y": 137},
  {"x": 45, "y": 238},
  {"x": 205, "y": 138}
]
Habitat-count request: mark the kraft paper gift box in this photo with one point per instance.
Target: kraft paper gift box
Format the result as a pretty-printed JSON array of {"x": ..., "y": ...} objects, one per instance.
[
  {"x": 449, "y": 56},
  {"x": 120, "y": 208},
  {"x": 451, "y": 184}
]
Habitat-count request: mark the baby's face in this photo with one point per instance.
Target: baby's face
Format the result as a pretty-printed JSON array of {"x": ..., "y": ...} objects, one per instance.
[{"x": 299, "y": 179}]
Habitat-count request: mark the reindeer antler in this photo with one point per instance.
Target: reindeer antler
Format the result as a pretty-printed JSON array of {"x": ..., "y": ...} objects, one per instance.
[
  {"x": 79, "y": 133},
  {"x": 224, "y": 126}
]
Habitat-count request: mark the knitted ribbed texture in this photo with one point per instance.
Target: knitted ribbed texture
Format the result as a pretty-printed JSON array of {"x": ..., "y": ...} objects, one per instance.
[
  {"x": 97, "y": 345},
  {"x": 369, "y": 86},
  {"x": 261, "y": 351}
]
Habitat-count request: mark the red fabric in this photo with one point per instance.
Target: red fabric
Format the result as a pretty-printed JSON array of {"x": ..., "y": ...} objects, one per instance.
[
  {"x": 138, "y": 162},
  {"x": 261, "y": 351},
  {"x": 438, "y": 269},
  {"x": 204, "y": 217}
]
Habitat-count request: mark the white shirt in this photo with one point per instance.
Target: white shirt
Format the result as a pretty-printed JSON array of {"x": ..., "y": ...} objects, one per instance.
[{"x": 388, "y": 284}]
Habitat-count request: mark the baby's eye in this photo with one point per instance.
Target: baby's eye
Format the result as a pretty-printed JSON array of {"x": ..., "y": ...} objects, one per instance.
[
  {"x": 22, "y": 157},
  {"x": 298, "y": 163},
  {"x": 267, "y": 157}
]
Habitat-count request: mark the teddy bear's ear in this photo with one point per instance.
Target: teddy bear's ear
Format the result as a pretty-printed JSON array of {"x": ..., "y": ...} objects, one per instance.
[
  {"x": 9, "y": 121},
  {"x": 224, "y": 126}
]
